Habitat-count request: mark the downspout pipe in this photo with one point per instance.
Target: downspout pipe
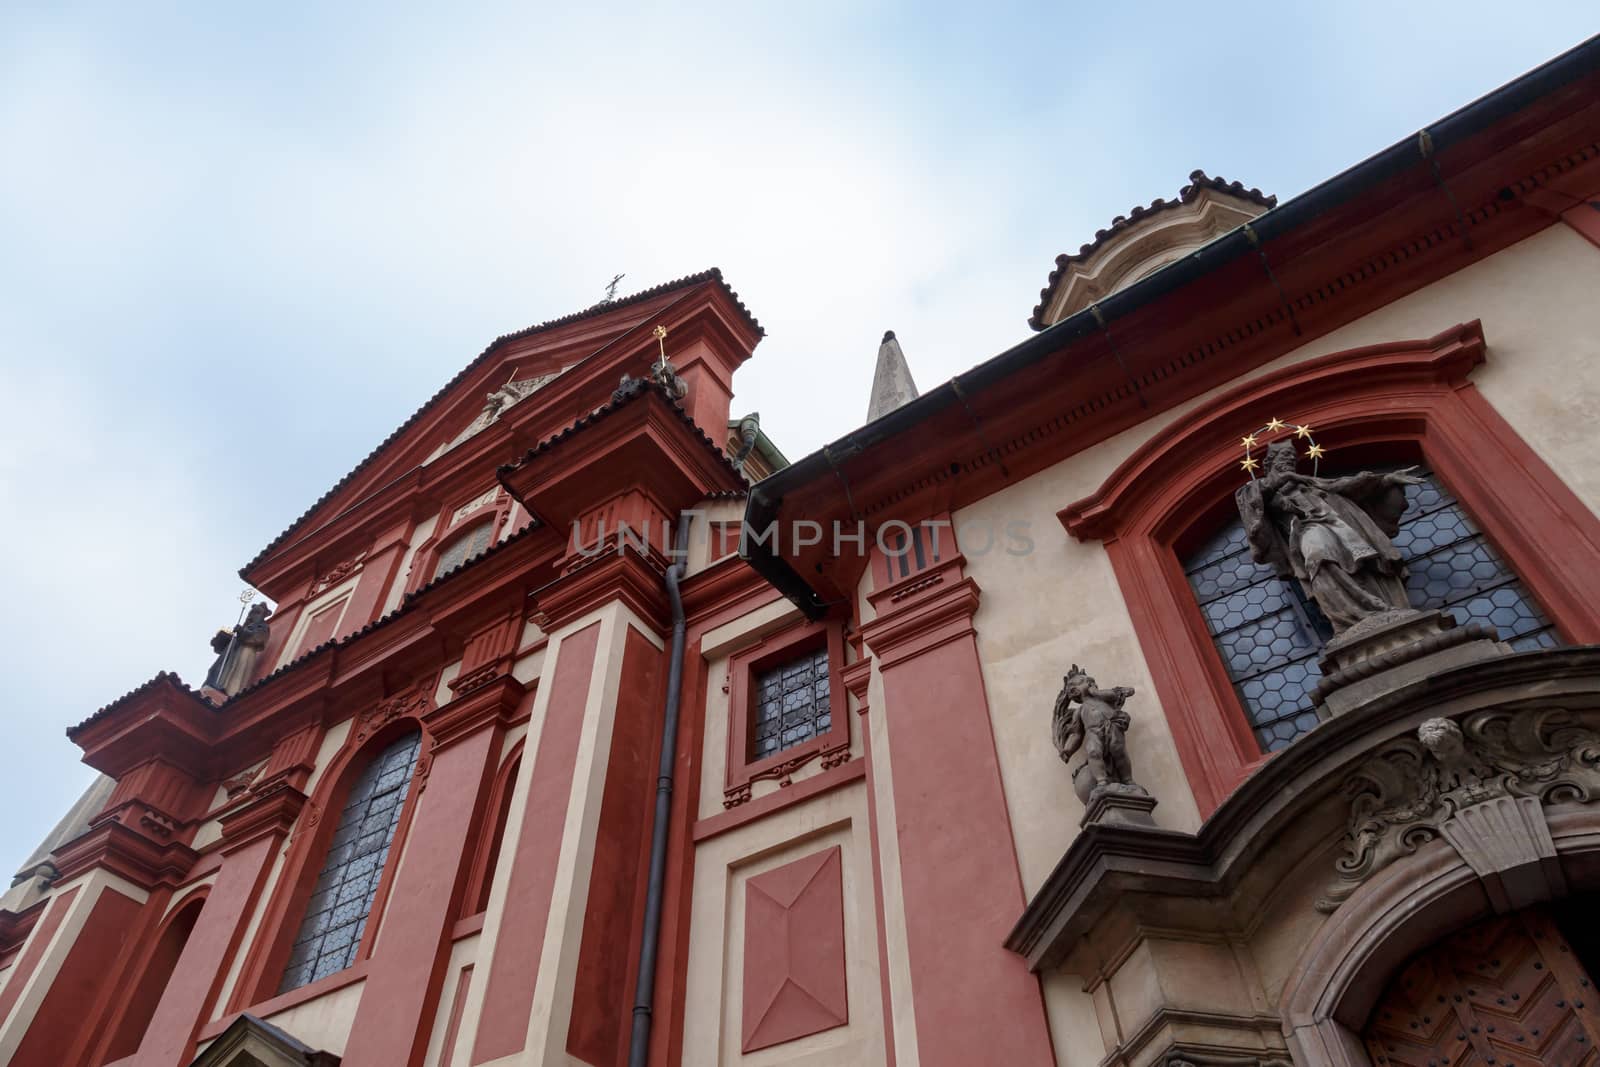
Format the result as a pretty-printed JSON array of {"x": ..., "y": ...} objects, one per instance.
[{"x": 649, "y": 939}]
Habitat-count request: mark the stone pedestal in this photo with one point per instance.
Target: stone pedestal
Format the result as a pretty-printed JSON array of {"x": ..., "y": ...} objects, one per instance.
[
  {"x": 1119, "y": 806},
  {"x": 1393, "y": 649}
]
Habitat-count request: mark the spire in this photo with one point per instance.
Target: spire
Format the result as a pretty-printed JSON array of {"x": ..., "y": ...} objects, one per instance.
[{"x": 892, "y": 386}]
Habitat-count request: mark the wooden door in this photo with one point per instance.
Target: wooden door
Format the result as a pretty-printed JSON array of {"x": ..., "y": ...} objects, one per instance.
[{"x": 1508, "y": 992}]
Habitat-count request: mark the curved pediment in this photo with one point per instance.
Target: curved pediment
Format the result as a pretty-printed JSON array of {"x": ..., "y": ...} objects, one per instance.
[{"x": 1143, "y": 241}]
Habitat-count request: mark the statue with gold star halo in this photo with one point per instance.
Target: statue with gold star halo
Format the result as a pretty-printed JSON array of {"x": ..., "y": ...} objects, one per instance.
[{"x": 1333, "y": 535}]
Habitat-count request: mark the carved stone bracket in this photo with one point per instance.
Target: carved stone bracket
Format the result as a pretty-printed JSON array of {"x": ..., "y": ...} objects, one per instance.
[{"x": 1467, "y": 782}]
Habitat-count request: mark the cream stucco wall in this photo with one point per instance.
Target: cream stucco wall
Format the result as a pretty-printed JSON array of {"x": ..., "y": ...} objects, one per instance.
[{"x": 1060, "y": 603}]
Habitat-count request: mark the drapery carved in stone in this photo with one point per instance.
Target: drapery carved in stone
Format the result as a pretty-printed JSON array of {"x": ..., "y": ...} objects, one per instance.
[{"x": 1402, "y": 797}]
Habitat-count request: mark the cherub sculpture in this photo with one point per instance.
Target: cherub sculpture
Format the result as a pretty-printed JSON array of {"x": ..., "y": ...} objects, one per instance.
[{"x": 1092, "y": 719}]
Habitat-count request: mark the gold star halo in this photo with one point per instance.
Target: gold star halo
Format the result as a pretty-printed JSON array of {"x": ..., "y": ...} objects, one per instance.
[{"x": 1275, "y": 425}]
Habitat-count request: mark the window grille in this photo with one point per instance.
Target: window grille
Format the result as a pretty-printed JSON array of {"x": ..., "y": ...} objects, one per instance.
[
  {"x": 1269, "y": 635},
  {"x": 791, "y": 704},
  {"x": 336, "y": 916}
]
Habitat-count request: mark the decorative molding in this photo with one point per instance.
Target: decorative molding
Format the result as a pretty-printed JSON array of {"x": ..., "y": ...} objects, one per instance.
[
  {"x": 337, "y": 574},
  {"x": 794, "y": 958},
  {"x": 124, "y": 851},
  {"x": 416, "y": 703},
  {"x": 232, "y": 787},
  {"x": 1410, "y": 791},
  {"x": 803, "y": 790}
]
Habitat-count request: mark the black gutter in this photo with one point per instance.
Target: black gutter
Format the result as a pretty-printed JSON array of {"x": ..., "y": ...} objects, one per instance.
[
  {"x": 649, "y": 939},
  {"x": 766, "y": 496}
]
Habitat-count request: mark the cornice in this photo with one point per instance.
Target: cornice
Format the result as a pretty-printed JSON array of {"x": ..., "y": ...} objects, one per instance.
[
  {"x": 270, "y": 810},
  {"x": 622, "y": 574},
  {"x": 110, "y": 845},
  {"x": 493, "y": 697},
  {"x": 923, "y": 624}
]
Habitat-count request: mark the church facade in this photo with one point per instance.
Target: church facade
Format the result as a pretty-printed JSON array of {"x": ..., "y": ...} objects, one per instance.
[{"x": 1209, "y": 680}]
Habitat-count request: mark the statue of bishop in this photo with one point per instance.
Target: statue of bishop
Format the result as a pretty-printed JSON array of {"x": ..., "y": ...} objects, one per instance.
[{"x": 237, "y": 651}]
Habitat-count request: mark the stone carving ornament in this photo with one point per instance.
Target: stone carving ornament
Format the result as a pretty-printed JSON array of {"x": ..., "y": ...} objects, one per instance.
[
  {"x": 1333, "y": 535},
  {"x": 1092, "y": 719},
  {"x": 1401, "y": 798}
]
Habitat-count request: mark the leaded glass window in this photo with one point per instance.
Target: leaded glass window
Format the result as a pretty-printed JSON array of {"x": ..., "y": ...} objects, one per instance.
[
  {"x": 791, "y": 704},
  {"x": 1269, "y": 635},
  {"x": 336, "y": 916},
  {"x": 464, "y": 548}
]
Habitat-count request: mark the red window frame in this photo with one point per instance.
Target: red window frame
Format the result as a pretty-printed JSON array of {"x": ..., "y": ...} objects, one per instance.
[
  {"x": 266, "y": 958},
  {"x": 1410, "y": 394},
  {"x": 426, "y": 559},
  {"x": 832, "y": 746}
]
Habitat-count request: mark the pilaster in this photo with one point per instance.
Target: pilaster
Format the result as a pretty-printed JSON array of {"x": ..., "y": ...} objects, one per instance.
[{"x": 960, "y": 887}]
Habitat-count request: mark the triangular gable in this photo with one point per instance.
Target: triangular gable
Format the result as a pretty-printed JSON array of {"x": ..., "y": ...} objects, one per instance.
[{"x": 540, "y": 353}]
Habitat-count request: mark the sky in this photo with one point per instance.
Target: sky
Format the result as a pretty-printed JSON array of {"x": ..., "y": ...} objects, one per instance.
[{"x": 239, "y": 245}]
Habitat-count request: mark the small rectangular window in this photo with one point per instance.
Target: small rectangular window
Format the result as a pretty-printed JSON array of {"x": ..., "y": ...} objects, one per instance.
[{"x": 791, "y": 704}]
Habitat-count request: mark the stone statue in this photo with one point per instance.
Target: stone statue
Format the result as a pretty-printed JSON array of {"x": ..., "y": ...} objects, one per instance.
[
  {"x": 1333, "y": 535},
  {"x": 1090, "y": 718},
  {"x": 237, "y": 651}
]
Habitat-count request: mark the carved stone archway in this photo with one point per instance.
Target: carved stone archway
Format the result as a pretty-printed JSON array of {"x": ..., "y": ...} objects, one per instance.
[{"x": 1412, "y": 904}]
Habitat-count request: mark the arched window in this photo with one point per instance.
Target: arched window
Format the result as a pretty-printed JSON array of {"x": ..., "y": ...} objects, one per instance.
[
  {"x": 330, "y": 935},
  {"x": 1269, "y": 635},
  {"x": 465, "y": 546},
  {"x": 152, "y": 981}
]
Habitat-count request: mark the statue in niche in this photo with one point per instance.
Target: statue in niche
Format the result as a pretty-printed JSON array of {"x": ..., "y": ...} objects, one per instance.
[
  {"x": 1092, "y": 719},
  {"x": 237, "y": 651},
  {"x": 1332, "y": 535}
]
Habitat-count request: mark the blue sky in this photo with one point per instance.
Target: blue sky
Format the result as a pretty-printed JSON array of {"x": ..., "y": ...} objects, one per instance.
[{"x": 239, "y": 246}]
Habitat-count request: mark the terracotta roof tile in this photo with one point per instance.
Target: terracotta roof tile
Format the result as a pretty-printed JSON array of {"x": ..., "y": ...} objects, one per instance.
[
  {"x": 163, "y": 678},
  {"x": 411, "y": 598},
  {"x": 1198, "y": 180},
  {"x": 714, "y": 274},
  {"x": 636, "y": 387}
]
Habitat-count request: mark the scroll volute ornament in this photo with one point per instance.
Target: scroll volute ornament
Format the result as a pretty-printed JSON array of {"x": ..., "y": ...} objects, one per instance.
[{"x": 1402, "y": 797}]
